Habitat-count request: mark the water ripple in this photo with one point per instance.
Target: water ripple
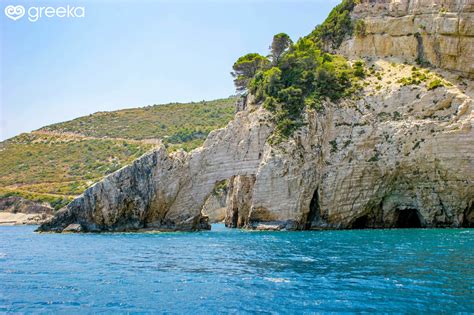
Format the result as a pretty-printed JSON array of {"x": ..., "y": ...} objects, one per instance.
[{"x": 231, "y": 271}]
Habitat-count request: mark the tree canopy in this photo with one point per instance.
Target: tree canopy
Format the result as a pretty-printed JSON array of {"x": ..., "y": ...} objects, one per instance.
[
  {"x": 337, "y": 26},
  {"x": 280, "y": 43},
  {"x": 245, "y": 69}
]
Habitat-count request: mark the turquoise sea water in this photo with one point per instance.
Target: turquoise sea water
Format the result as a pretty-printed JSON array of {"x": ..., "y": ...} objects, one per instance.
[{"x": 232, "y": 271}]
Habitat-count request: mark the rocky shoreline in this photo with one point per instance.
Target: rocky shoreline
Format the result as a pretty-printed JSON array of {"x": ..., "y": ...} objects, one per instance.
[{"x": 18, "y": 211}]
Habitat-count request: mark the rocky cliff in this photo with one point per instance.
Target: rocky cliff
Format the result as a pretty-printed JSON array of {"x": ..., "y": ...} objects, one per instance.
[
  {"x": 436, "y": 32},
  {"x": 167, "y": 192},
  {"x": 398, "y": 153}
]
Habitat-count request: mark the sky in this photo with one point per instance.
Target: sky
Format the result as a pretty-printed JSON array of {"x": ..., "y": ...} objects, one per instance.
[{"x": 122, "y": 54}]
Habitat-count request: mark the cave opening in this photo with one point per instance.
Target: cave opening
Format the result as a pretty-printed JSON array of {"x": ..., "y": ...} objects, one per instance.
[
  {"x": 468, "y": 217},
  {"x": 314, "y": 211},
  {"x": 360, "y": 223},
  {"x": 408, "y": 219}
]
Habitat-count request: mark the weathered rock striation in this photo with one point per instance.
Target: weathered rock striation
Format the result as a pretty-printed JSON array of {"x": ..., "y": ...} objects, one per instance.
[
  {"x": 439, "y": 32},
  {"x": 395, "y": 155},
  {"x": 167, "y": 192}
]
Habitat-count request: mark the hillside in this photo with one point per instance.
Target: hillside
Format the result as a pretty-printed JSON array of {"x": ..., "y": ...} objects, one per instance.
[
  {"x": 58, "y": 162},
  {"x": 175, "y": 122}
]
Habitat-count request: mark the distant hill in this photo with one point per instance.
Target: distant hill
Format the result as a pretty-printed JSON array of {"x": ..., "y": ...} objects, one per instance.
[{"x": 58, "y": 162}]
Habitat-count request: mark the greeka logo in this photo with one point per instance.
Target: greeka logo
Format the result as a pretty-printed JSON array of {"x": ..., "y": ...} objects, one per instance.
[
  {"x": 35, "y": 13},
  {"x": 15, "y": 12}
]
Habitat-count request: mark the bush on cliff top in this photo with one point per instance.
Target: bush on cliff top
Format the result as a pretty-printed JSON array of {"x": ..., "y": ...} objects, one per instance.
[
  {"x": 301, "y": 75},
  {"x": 336, "y": 27},
  {"x": 302, "y": 78}
]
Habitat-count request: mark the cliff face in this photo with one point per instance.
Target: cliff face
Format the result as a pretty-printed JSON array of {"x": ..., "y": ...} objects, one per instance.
[
  {"x": 439, "y": 32},
  {"x": 167, "y": 192},
  {"x": 396, "y": 154},
  {"x": 370, "y": 162},
  {"x": 400, "y": 156}
]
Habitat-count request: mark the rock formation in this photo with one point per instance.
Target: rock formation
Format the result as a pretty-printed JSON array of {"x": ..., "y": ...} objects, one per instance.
[
  {"x": 439, "y": 32},
  {"x": 16, "y": 210},
  {"x": 395, "y": 155},
  {"x": 167, "y": 192}
]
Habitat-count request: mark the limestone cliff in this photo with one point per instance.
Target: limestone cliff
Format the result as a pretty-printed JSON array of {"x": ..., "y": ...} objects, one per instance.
[
  {"x": 438, "y": 32},
  {"x": 167, "y": 192},
  {"x": 367, "y": 162},
  {"x": 395, "y": 154}
]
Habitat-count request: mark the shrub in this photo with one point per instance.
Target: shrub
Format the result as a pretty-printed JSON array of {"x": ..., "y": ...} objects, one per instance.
[
  {"x": 360, "y": 28},
  {"x": 333, "y": 144},
  {"x": 336, "y": 27},
  {"x": 303, "y": 78},
  {"x": 436, "y": 83},
  {"x": 359, "y": 69}
]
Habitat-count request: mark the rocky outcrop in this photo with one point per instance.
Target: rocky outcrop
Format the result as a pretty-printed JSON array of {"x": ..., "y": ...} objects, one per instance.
[
  {"x": 402, "y": 156},
  {"x": 366, "y": 163},
  {"x": 17, "y": 211},
  {"x": 239, "y": 201},
  {"x": 438, "y": 32},
  {"x": 167, "y": 192}
]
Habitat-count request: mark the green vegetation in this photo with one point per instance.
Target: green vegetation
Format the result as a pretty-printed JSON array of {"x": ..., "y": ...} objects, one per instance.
[
  {"x": 360, "y": 28},
  {"x": 359, "y": 69},
  {"x": 336, "y": 27},
  {"x": 303, "y": 77},
  {"x": 281, "y": 42},
  {"x": 436, "y": 83},
  {"x": 375, "y": 157},
  {"x": 153, "y": 122},
  {"x": 56, "y": 202},
  {"x": 220, "y": 187},
  {"x": 58, "y": 162},
  {"x": 417, "y": 77},
  {"x": 333, "y": 144},
  {"x": 397, "y": 115},
  {"x": 245, "y": 68},
  {"x": 54, "y": 168}
]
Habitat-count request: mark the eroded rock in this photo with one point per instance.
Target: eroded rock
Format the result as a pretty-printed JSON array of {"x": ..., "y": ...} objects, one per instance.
[{"x": 438, "y": 32}]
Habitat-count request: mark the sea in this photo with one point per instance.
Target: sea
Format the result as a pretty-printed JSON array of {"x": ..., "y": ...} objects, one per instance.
[{"x": 237, "y": 272}]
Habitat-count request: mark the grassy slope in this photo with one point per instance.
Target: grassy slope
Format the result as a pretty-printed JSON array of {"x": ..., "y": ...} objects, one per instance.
[
  {"x": 157, "y": 121},
  {"x": 60, "y": 161}
]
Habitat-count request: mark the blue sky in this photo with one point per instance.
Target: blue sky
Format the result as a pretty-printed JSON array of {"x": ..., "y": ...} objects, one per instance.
[{"x": 124, "y": 54}]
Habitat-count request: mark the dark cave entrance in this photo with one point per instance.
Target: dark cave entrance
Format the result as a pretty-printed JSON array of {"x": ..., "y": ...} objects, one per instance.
[
  {"x": 408, "y": 219},
  {"x": 314, "y": 213},
  {"x": 360, "y": 223},
  {"x": 468, "y": 218}
]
